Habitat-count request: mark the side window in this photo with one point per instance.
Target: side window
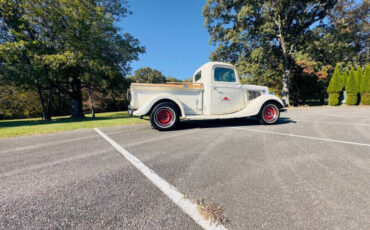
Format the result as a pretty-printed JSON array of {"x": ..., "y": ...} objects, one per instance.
[
  {"x": 224, "y": 74},
  {"x": 198, "y": 76}
]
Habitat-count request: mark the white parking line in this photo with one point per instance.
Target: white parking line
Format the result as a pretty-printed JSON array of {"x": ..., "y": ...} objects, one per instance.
[
  {"x": 301, "y": 136},
  {"x": 170, "y": 191}
]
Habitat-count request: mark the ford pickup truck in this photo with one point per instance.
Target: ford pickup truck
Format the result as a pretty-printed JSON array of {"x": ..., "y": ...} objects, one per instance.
[{"x": 215, "y": 93}]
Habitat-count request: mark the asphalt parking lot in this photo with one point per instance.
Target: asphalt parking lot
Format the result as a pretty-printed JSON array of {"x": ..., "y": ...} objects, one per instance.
[{"x": 310, "y": 171}]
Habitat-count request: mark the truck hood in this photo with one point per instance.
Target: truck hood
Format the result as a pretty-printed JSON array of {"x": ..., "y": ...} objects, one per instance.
[{"x": 262, "y": 89}]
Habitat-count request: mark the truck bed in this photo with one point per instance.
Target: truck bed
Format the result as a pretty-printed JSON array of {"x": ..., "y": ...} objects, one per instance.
[
  {"x": 189, "y": 94},
  {"x": 169, "y": 84}
]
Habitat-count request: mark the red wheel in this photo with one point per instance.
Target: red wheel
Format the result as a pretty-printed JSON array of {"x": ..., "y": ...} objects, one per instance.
[
  {"x": 164, "y": 116},
  {"x": 269, "y": 114}
]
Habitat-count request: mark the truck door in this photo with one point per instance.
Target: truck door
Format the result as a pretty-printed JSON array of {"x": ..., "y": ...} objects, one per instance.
[{"x": 226, "y": 91}]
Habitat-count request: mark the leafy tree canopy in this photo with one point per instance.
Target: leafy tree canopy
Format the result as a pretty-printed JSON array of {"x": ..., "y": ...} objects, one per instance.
[
  {"x": 147, "y": 75},
  {"x": 243, "y": 30},
  {"x": 65, "y": 45},
  {"x": 172, "y": 79}
]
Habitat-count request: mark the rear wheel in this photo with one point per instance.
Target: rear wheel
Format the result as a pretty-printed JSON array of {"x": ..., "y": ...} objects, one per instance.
[
  {"x": 165, "y": 116},
  {"x": 269, "y": 114}
]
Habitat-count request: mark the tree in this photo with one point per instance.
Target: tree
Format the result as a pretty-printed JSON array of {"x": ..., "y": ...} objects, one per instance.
[
  {"x": 280, "y": 26},
  {"x": 18, "y": 103},
  {"x": 66, "y": 45},
  {"x": 365, "y": 86},
  {"x": 358, "y": 76},
  {"x": 172, "y": 79},
  {"x": 335, "y": 82},
  {"x": 147, "y": 75},
  {"x": 261, "y": 67},
  {"x": 335, "y": 87},
  {"x": 20, "y": 49},
  {"x": 189, "y": 79},
  {"x": 352, "y": 88},
  {"x": 343, "y": 37},
  {"x": 343, "y": 80},
  {"x": 349, "y": 30}
]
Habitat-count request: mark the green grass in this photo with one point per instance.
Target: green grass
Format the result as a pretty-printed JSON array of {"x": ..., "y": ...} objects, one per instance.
[{"x": 19, "y": 127}]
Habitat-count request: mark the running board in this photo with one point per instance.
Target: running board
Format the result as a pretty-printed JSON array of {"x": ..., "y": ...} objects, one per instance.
[{"x": 241, "y": 113}]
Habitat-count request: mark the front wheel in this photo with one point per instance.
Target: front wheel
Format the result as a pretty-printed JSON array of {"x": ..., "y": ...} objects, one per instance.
[
  {"x": 165, "y": 116},
  {"x": 269, "y": 114}
]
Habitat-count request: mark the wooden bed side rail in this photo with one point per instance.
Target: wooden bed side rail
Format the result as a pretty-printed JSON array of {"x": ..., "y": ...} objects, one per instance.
[{"x": 171, "y": 84}]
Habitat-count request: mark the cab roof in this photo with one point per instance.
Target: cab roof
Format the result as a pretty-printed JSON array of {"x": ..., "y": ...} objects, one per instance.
[{"x": 209, "y": 65}]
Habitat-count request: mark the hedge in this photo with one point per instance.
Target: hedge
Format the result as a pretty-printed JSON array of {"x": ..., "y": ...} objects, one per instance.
[
  {"x": 335, "y": 85},
  {"x": 351, "y": 84},
  {"x": 358, "y": 76},
  {"x": 365, "y": 86},
  {"x": 355, "y": 82},
  {"x": 333, "y": 99},
  {"x": 365, "y": 98},
  {"x": 352, "y": 98}
]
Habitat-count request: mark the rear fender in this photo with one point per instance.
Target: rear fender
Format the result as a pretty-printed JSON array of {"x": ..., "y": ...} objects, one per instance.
[{"x": 145, "y": 108}]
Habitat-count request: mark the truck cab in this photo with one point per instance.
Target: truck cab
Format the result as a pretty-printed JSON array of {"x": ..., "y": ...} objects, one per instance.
[
  {"x": 223, "y": 92},
  {"x": 215, "y": 93}
]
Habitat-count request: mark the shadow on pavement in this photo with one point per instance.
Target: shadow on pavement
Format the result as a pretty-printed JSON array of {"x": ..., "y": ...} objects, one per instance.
[{"x": 227, "y": 123}]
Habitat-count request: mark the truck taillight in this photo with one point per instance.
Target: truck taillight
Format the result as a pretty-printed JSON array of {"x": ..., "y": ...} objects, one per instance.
[{"x": 128, "y": 96}]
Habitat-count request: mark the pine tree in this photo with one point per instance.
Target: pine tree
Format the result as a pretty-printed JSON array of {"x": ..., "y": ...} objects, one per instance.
[
  {"x": 334, "y": 87},
  {"x": 334, "y": 84},
  {"x": 352, "y": 88},
  {"x": 334, "y": 99},
  {"x": 365, "y": 86},
  {"x": 358, "y": 76},
  {"x": 343, "y": 79}
]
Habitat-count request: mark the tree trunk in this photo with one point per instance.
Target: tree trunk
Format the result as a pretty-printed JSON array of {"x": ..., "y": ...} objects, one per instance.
[
  {"x": 50, "y": 102},
  {"x": 76, "y": 96},
  {"x": 286, "y": 77},
  {"x": 45, "y": 115},
  {"x": 286, "y": 64},
  {"x": 91, "y": 104}
]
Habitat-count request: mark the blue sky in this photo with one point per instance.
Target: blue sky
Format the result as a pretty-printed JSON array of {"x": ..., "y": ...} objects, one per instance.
[{"x": 173, "y": 34}]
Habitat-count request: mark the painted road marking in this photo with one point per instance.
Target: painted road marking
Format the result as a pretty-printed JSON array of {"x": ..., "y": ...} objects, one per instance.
[
  {"x": 301, "y": 136},
  {"x": 170, "y": 191}
]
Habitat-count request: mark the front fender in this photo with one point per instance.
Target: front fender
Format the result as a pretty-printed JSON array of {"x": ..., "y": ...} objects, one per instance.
[
  {"x": 145, "y": 108},
  {"x": 254, "y": 106}
]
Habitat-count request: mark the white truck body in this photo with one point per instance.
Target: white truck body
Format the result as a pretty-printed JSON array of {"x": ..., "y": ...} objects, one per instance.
[{"x": 216, "y": 93}]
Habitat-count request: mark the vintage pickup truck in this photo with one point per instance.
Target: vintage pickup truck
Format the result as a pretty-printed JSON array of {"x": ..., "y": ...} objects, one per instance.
[{"x": 215, "y": 93}]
